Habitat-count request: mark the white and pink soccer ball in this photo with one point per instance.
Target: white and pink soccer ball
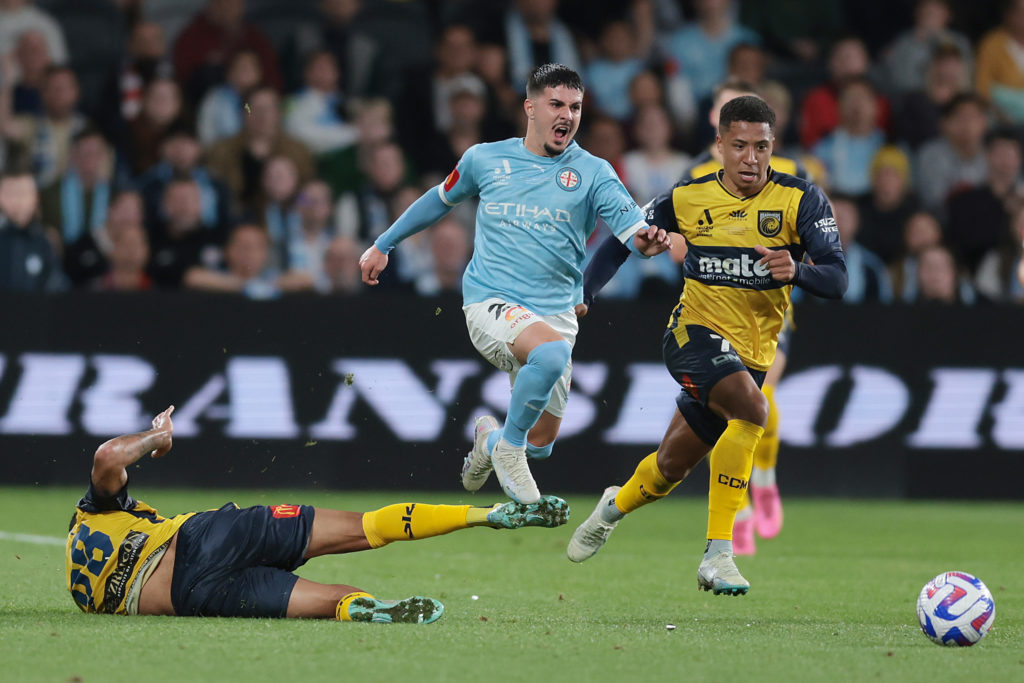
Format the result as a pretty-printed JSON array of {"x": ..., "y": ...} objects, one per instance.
[{"x": 955, "y": 608}]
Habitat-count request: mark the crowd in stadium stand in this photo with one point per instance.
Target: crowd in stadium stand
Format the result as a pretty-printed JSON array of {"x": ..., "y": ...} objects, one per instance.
[{"x": 257, "y": 146}]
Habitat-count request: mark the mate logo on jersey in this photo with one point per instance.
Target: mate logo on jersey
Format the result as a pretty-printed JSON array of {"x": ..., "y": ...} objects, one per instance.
[
  {"x": 729, "y": 266},
  {"x": 769, "y": 223},
  {"x": 569, "y": 179}
]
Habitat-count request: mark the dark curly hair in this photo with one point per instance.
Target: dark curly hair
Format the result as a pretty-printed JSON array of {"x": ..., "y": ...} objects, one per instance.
[{"x": 749, "y": 108}]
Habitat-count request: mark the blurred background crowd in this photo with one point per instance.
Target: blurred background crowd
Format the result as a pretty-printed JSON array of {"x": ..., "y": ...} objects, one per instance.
[{"x": 258, "y": 146}]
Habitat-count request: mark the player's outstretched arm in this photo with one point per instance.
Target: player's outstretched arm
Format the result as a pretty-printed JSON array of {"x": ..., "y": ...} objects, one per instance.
[
  {"x": 420, "y": 215},
  {"x": 606, "y": 262},
  {"x": 826, "y": 278},
  {"x": 109, "y": 464}
]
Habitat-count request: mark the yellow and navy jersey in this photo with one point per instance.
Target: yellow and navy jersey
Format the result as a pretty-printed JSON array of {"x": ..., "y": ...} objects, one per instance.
[
  {"x": 110, "y": 546},
  {"x": 724, "y": 287},
  {"x": 706, "y": 163}
]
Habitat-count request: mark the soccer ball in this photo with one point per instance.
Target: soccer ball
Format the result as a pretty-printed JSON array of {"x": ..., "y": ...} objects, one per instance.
[{"x": 955, "y": 608}]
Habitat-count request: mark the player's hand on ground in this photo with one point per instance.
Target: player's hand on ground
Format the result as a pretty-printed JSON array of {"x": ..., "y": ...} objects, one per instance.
[
  {"x": 372, "y": 263},
  {"x": 581, "y": 310},
  {"x": 163, "y": 423},
  {"x": 651, "y": 241},
  {"x": 779, "y": 263}
]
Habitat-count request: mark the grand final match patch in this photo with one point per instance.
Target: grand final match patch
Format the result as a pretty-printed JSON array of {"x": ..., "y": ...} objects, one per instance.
[
  {"x": 282, "y": 511},
  {"x": 769, "y": 223},
  {"x": 569, "y": 179}
]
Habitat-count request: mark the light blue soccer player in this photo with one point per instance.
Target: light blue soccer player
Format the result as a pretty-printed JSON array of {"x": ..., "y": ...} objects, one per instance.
[{"x": 540, "y": 197}]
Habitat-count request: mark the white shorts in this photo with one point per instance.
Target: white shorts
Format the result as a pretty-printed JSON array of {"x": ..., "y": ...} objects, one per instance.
[{"x": 494, "y": 324}]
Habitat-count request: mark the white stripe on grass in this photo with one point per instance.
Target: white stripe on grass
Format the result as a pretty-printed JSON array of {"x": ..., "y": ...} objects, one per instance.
[{"x": 31, "y": 538}]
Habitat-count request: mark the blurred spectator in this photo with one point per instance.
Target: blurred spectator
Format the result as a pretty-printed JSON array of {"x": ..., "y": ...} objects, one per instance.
[
  {"x": 30, "y": 264},
  {"x": 504, "y": 103},
  {"x": 76, "y": 203},
  {"x": 129, "y": 256},
  {"x": 958, "y": 157},
  {"x": 307, "y": 243},
  {"x": 795, "y": 30},
  {"x": 202, "y": 49},
  {"x": 922, "y": 230},
  {"x": 807, "y": 166},
  {"x": 938, "y": 280},
  {"x": 341, "y": 274},
  {"x": 450, "y": 248},
  {"x": 31, "y": 60},
  {"x": 608, "y": 76},
  {"x": 819, "y": 113},
  {"x": 342, "y": 31},
  {"x": 364, "y": 214},
  {"x": 145, "y": 62},
  {"x": 919, "y": 112},
  {"x": 885, "y": 211},
  {"x": 535, "y": 36},
  {"x": 182, "y": 240},
  {"x": 978, "y": 220},
  {"x": 19, "y": 16},
  {"x": 239, "y": 160},
  {"x": 222, "y": 111},
  {"x": 999, "y": 74},
  {"x": 655, "y": 166},
  {"x": 246, "y": 268},
  {"x": 313, "y": 115},
  {"x": 280, "y": 212},
  {"x": 647, "y": 88},
  {"x": 46, "y": 137},
  {"x": 848, "y": 150},
  {"x": 868, "y": 279},
  {"x": 161, "y": 108},
  {"x": 700, "y": 49},
  {"x": 343, "y": 168},
  {"x": 747, "y": 63},
  {"x": 605, "y": 139},
  {"x": 425, "y": 108},
  {"x": 907, "y": 58},
  {"x": 88, "y": 257},
  {"x": 468, "y": 109},
  {"x": 179, "y": 158}
]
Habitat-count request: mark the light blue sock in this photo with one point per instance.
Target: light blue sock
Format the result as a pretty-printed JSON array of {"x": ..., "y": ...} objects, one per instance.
[
  {"x": 538, "y": 452},
  {"x": 492, "y": 439},
  {"x": 532, "y": 389}
]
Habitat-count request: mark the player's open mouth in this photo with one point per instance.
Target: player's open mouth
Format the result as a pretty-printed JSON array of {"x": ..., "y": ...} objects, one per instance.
[
  {"x": 749, "y": 176},
  {"x": 561, "y": 133}
]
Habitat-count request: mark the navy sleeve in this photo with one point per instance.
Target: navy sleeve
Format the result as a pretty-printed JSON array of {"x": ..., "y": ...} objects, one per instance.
[
  {"x": 94, "y": 502},
  {"x": 826, "y": 278},
  {"x": 606, "y": 262},
  {"x": 817, "y": 229},
  {"x": 660, "y": 212}
]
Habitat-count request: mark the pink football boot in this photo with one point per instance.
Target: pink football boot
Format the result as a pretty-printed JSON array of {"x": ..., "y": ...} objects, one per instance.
[
  {"x": 743, "y": 535},
  {"x": 767, "y": 510}
]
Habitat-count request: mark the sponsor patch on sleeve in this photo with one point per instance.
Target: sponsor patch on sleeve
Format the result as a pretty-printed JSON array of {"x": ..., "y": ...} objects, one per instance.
[
  {"x": 282, "y": 511},
  {"x": 450, "y": 181}
]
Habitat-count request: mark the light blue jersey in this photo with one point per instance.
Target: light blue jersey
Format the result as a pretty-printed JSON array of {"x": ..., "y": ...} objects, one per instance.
[{"x": 534, "y": 218}]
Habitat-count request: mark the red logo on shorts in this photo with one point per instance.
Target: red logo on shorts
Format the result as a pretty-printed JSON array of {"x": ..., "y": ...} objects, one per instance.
[
  {"x": 282, "y": 511},
  {"x": 688, "y": 384},
  {"x": 450, "y": 181}
]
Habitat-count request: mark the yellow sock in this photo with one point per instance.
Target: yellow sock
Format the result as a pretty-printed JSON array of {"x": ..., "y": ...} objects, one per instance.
[
  {"x": 412, "y": 521},
  {"x": 646, "y": 485},
  {"x": 766, "y": 455},
  {"x": 731, "y": 460},
  {"x": 341, "y": 611}
]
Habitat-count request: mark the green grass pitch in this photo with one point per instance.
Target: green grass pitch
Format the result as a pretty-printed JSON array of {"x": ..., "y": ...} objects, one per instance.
[{"x": 832, "y": 599}]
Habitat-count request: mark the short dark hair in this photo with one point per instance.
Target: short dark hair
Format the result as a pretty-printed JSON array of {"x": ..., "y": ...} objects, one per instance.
[
  {"x": 961, "y": 99},
  {"x": 1001, "y": 134},
  {"x": 748, "y": 108},
  {"x": 552, "y": 76}
]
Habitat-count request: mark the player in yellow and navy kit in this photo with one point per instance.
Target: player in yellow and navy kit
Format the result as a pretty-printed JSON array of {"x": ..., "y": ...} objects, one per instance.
[
  {"x": 122, "y": 557},
  {"x": 747, "y": 228}
]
